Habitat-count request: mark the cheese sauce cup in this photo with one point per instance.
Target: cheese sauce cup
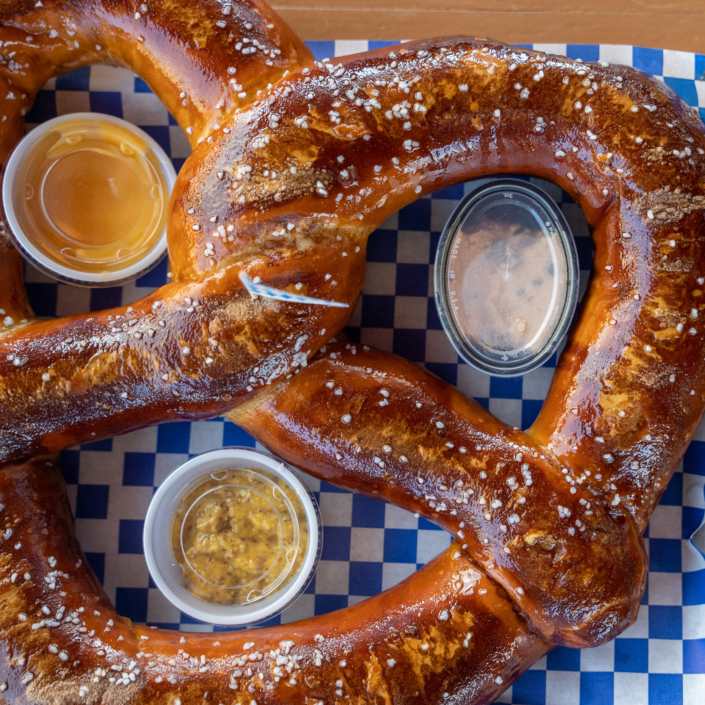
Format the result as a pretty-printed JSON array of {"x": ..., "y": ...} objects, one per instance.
[
  {"x": 506, "y": 278},
  {"x": 233, "y": 536},
  {"x": 86, "y": 199}
]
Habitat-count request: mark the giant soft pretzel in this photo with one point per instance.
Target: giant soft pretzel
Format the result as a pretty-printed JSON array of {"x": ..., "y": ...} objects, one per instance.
[{"x": 304, "y": 159}]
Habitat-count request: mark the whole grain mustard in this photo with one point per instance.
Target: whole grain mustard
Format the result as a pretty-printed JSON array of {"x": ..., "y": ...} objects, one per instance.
[{"x": 238, "y": 535}]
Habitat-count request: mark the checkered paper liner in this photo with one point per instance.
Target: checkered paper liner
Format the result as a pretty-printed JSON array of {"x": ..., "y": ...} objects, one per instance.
[{"x": 369, "y": 546}]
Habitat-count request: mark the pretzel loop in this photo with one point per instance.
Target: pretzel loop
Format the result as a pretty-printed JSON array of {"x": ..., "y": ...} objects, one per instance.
[{"x": 284, "y": 186}]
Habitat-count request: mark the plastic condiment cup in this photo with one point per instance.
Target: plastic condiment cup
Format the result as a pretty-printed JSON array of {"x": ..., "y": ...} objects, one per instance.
[
  {"x": 161, "y": 559},
  {"x": 35, "y": 255},
  {"x": 506, "y": 278}
]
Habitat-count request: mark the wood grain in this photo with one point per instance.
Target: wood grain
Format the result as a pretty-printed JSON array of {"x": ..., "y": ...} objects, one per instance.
[{"x": 670, "y": 24}]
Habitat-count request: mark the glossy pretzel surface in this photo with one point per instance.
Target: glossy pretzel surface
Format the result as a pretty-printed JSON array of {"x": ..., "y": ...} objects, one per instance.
[{"x": 285, "y": 183}]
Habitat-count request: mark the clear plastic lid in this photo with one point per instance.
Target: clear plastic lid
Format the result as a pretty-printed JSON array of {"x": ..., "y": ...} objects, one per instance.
[
  {"x": 86, "y": 199},
  {"x": 233, "y": 536},
  {"x": 237, "y": 535},
  {"x": 506, "y": 278}
]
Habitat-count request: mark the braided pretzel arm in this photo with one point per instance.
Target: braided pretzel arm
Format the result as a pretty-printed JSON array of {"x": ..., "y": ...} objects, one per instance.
[
  {"x": 191, "y": 55},
  {"x": 469, "y": 120},
  {"x": 203, "y": 73},
  {"x": 575, "y": 568}
]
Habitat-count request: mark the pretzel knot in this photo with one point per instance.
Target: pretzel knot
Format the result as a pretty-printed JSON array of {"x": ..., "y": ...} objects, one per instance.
[{"x": 295, "y": 163}]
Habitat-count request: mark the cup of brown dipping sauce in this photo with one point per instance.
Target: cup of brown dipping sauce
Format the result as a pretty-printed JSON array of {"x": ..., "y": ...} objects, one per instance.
[
  {"x": 233, "y": 536},
  {"x": 506, "y": 278}
]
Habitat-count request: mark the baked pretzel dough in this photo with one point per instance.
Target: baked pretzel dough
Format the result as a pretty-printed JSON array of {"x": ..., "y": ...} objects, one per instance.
[{"x": 285, "y": 184}]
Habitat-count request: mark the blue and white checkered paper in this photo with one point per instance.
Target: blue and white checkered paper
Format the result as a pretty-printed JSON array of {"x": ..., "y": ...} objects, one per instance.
[{"x": 369, "y": 546}]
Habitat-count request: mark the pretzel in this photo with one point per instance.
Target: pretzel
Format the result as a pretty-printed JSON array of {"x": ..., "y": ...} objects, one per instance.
[{"x": 548, "y": 522}]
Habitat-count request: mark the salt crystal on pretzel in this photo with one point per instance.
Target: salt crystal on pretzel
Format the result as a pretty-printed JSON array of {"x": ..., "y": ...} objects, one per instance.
[{"x": 334, "y": 148}]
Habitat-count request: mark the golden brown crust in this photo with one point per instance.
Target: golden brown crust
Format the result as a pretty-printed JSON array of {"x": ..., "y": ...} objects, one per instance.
[
  {"x": 190, "y": 350},
  {"x": 287, "y": 188},
  {"x": 446, "y": 629},
  {"x": 14, "y": 305},
  {"x": 204, "y": 64},
  {"x": 384, "y": 427}
]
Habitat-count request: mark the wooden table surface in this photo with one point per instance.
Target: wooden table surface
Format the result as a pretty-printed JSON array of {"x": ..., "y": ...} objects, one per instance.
[{"x": 663, "y": 24}]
